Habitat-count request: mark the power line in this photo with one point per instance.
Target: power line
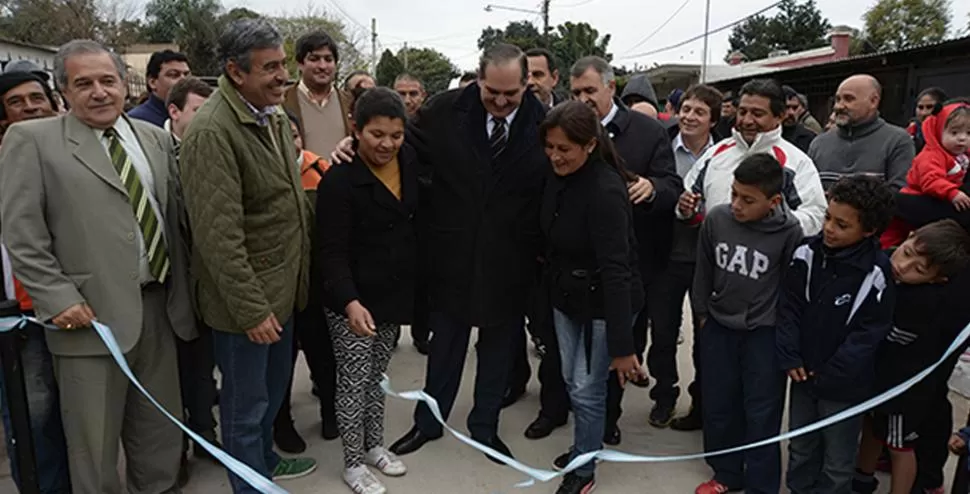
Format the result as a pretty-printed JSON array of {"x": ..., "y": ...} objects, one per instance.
[
  {"x": 577, "y": 4},
  {"x": 340, "y": 9},
  {"x": 701, "y": 36},
  {"x": 655, "y": 31}
]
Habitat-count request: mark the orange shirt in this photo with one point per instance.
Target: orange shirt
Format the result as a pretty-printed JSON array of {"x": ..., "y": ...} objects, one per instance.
[{"x": 311, "y": 170}]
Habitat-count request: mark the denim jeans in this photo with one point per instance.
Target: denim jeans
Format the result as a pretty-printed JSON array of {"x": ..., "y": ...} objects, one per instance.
[
  {"x": 50, "y": 449},
  {"x": 586, "y": 384},
  {"x": 823, "y": 461},
  {"x": 254, "y": 381}
]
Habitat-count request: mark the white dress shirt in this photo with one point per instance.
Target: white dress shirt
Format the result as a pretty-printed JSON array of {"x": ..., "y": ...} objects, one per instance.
[{"x": 490, "y": 122}]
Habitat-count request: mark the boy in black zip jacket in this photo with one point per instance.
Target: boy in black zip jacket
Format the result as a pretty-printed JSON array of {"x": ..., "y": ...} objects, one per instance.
[
  {"x": 930, "y": 311},
  {"x": 835, "y": 310}
]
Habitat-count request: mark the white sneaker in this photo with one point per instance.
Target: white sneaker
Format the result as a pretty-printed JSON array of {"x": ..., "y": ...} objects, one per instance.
[
  {"x": 362, "y": 481},
  {"x": 385, "y": 461}
]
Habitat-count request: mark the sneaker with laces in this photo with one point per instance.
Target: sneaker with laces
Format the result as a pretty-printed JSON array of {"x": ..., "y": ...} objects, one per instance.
[
  {"x": 362, "y": 481},
  {"x": 294, "y": 468},
  {"x": 574, "y": 484},
  {"x": 712, "y": 487},
  {"x": 562, "y": 461},
  {"x": 662, "y": 414},
  {"x": 385, "y": 461}
]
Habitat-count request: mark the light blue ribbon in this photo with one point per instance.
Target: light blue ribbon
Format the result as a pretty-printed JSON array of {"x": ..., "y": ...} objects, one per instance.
[
  {"x": 620, "y": 457},
  {"x": 240, "y": 469}
]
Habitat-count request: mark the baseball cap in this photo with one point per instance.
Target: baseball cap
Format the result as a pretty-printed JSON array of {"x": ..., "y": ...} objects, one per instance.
[{"x": 26, "y": 66}]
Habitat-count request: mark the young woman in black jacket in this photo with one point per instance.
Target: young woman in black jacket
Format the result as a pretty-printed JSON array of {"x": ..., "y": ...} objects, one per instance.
[
  {"x": 592, "y": 276},
  {"x": 366, "y": 244}
]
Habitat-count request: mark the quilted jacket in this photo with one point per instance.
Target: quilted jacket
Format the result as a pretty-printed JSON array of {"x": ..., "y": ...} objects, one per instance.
[{"x": 249, "y": 216}]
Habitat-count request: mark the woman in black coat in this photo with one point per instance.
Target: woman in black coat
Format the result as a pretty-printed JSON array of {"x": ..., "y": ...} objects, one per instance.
[
  {"x": 592, "y": 276},
  {"x": 367, "y": 252}
]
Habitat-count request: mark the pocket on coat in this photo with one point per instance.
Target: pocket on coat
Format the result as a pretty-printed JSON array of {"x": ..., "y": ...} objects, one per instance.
[{"x": 268, "y": 260}]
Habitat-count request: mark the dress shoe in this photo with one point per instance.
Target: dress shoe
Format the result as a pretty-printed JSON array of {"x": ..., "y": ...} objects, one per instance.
[
  {"x": 690, "y": 422},
  {"x": 662, "y": 414},
  {"x": 199, "y": 452},
  {"x": 499, "y": 446},
  {"x": 423, "y": 347},
  {"x": 329, "y": 429},
  {"x": 541, "y": 427},
  {"x": 612, "y": 436},
  {"x": 411, "y": 442},
  {"x": 287, "y": 439},
  {"x": 512, "y": 395}
]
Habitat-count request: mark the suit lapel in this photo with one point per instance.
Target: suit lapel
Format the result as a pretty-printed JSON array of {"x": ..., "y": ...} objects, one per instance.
[
  {"x": 157, "y": 161},
  {"x": 91, "y": 153}
]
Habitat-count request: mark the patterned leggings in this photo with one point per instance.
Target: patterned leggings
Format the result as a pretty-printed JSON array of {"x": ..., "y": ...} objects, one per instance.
[{"x": 361, "y": 363}]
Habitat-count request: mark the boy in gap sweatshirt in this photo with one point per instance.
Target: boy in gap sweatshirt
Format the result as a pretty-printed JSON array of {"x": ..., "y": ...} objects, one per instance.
[
  {"x": 835, "y": 310},
  {"x": 743, "y": 250}
]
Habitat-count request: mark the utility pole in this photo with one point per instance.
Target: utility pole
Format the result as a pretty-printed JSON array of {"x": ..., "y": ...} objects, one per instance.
[
  {"x": 545, "y": 22},
  {"x": 707, "y": 29},
  {"x": 404, "y": 52},
  {"x": 373, "y": 45}
]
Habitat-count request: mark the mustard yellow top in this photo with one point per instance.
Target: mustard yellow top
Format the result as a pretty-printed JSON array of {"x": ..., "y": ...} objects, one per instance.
[{"x": 390, "y": 176}]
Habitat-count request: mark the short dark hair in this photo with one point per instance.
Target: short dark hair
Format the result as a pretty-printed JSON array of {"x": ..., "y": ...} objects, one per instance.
[
  {"x": 762, "y": 171},
  {"x": 313, "y": 41},
  {"x": 182, "y": 89},
  {"x": 160, "y": 58},
  {"x": 731, "y": 97},
  {"x": 468, "y": 77},
  {"x": 770, "y": 89},
  {"x": 295, "y": 121},
  {"x": 407, "y": 76},
  {"x": 502, "y": 53},
  {"x": 708, "y": 95},
  {"x": 869, "y": 196},
  {"x": 355, "y": 94},
  {"x": 352, "y": 75},
  {"x": 542, "y": 52},
  {"x": 945, "y": 244},
  {"x": 937, "y": 93},
  {"x": 378, "y": 102}
]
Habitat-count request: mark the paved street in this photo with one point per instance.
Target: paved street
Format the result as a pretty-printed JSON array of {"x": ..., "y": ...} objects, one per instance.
[{"x": 447, "y": 466}]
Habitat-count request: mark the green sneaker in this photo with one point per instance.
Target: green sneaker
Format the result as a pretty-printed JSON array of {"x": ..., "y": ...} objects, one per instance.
[{"x": 294, "y": 468}]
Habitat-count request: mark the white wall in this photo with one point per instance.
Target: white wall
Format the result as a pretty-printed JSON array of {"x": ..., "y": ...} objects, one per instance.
[{"x": 43, "y": 58}]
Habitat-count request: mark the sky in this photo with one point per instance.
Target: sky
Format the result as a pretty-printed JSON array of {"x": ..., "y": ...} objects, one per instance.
[{"x": 453, "y": 26}]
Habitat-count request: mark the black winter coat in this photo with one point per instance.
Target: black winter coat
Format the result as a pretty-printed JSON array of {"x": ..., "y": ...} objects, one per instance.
[
  {"x": 366, "y": 239},
  {"x": 483, "y": 219},
  {"x": 644, "y": 146},
  {"x": 799, "y": 135}
]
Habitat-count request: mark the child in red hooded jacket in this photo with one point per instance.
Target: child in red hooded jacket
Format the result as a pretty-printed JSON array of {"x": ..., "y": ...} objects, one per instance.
[{"x": 939, "y": 169}]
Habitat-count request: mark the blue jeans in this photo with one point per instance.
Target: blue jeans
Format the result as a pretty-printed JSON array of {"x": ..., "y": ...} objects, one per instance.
[
  {"x": 254, "y": 381},
  {"x": 823, "y": 461},
  {"x": 50, "y": 449},
  {"x": 744, "y": 397},
  {"x": 586, "y": 386}
]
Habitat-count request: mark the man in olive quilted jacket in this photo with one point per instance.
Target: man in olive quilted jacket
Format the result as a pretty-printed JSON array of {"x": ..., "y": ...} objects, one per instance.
[{"x": 251, "y": 246}]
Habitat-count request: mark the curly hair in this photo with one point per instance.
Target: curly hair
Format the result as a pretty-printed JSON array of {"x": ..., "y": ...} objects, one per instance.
[{"x": 870, "y": 196}]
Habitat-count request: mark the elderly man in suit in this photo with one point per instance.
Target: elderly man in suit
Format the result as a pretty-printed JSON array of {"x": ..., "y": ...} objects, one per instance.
[{"x": 90, "y": 207}]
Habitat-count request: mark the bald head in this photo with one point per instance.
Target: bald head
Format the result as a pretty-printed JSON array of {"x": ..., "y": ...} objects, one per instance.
[
  {"x": 857, "y": 100},
  {"x": 645, "y": 108}
]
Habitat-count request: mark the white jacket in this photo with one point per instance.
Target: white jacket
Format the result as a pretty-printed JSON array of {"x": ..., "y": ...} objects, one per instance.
[{"x": 713, "y": 173}]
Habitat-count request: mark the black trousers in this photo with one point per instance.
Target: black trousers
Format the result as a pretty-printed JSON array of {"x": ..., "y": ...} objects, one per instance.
[
  {"x": 196, "y": 362},
  {"x": 313, "y": 337},
  {"x": 931, "y": 447},
  {"x": 446, "y": 360},
  {"x": 667, "y": 315}
]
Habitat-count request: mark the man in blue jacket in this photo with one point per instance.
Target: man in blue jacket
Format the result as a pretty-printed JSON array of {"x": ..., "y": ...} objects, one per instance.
[{"x": 165, "y": 68}]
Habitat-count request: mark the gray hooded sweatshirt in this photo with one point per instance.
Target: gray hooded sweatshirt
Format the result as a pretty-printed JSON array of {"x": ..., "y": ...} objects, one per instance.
[
  {"x": 639, "y": 85},
  {"x": 873, "y": 148},
  {"x": 740, "y": 266}
]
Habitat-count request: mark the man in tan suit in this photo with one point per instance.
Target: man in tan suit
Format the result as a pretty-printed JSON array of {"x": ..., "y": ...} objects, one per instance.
[{"x": 90, "y": 207}]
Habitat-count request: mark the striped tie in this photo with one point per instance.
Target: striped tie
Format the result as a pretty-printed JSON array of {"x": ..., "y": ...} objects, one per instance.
[
  {"x": 499, "y": 137},
  {"x": 151, "y": 230}
]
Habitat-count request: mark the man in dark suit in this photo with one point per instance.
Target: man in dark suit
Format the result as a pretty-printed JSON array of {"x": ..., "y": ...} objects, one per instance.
[
  {"x": 645, "y": 149},
  {"x": 482, "y": 144}
]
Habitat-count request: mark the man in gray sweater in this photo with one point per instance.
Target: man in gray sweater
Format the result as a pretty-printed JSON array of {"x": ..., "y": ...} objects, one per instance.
[{"x": 863, "y": 143}]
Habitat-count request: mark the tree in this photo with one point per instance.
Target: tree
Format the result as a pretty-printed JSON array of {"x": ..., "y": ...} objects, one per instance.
[
  {"x": 796, "y": 27},
  {"x": 574, "y": 41},
  {"x": 900, "y": 24},
  {"x": 195, "y": 25},
  {"x": 432, "y": 67},
  {"x": 348, "y": 41},
  {"x": 54, "y": 22},
  {"x": 388, "y": 69},
  {"x": 523, "y": 34}
]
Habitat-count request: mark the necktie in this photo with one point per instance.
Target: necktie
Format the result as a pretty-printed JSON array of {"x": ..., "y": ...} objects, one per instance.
[
  {"x": 499, "y": 137},
  {"x": 151, "y": 230}
]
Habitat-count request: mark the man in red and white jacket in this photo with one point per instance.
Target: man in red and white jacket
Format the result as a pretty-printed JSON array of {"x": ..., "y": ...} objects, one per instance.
[{"x": 757, "y": 130}]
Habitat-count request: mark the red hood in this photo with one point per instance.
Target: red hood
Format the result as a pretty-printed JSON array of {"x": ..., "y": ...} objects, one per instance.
[{"x": 933, "y": 127}]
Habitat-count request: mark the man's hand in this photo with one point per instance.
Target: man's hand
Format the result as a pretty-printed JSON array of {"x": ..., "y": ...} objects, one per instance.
[
  {"x": 627, "y": 369},
  {"x": 641, "y": 190},
  {"x": 957, "y": 445},
  {"x": 344, "y": 152},
  {"x": 74, "y": 317},
  {"x": 687, "y": 204},
  {"x": 267, "y": 333},
  {"x": 361, "y": 322},
  {"x": 798, "y": 375}
]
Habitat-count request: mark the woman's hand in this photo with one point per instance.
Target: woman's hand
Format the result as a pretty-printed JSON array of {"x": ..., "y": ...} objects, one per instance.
[
  {"x": 361, "y": 322},
  {"x": 627, "y": 369},
  {"x": 957, "y": 445}
]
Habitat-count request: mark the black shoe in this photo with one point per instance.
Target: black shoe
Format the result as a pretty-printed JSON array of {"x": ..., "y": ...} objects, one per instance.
[
  {"x": 329, "y": 429},
  {"x": 315, "y": 390},
  {"x": 423, "y": 347},
  {"x": 288, "y": 440},
  {"x": 574, "y": 484},
  {"x": 690, "y": 422},
  {"x": 541, "y": 427},
  {"x": 612, "y": 436},
  {"x": 499, "y": 446},
  {"x": 559, "y": 464},
  {"x": 513, "y": 395},
  {"x": 199, "y": 452},
  {"x": 183, "y": 478},
  {"x": 411, "y": 442},
  {"x": 662, "y": 414},
  {"x": 864, "y": 487},
  {"x": 641, "y": 382}
]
